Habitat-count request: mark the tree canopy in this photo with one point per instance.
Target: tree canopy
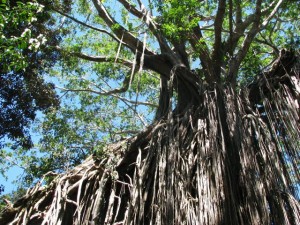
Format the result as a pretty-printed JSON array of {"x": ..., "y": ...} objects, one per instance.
[
  {"x": 200, "y": 97},
  {"x": 24, "y": 59}
]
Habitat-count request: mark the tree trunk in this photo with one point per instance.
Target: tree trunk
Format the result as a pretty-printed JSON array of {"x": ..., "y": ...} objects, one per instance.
[{"x": 222, "y": 156}]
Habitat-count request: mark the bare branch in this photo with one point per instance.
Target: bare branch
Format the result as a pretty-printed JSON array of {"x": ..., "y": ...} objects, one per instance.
[
  {"x": 106, "y": 93},
  {"x": 132, "y": 42},
  {"x": 140, "y": 3},
  {"x": 126, "y": 101},
  {"x": 87, "y": 25},
  {"x": 135, "y": 102},
  {"x": 271, "y": 15},
  {"x": 102, "y": 59}
]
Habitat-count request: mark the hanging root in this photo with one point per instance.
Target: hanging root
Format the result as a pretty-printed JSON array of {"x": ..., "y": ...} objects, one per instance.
[{"x": 231, "y": 161}]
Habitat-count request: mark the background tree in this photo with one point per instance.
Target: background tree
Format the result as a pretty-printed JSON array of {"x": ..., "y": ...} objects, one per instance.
[
  {"x": 223, "y": 145},
  {"x": 24, "y": 59}
]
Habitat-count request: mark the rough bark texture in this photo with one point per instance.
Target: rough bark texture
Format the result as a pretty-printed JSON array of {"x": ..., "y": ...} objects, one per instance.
[{"x": 221, "y": 157}]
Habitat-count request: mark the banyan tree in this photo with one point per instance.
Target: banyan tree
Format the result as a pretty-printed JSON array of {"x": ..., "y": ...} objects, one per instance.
[{"x": 223, "y": 147}]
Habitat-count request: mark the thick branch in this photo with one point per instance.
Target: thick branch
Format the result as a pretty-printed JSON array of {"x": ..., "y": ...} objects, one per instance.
[
  {"x": 180, "y": 49},
  {"x": 133, "y": 10},
  {"x": 123, "y": 34},
  {"x": 238, "y": 11},
  {"x": 144, "y": 15},
  {"x": 159, "y": 64},
  {"x": 280, "y": 73},
  {"x": 199, "y": 46},
  {"x": 217, "y": 50},
  {"x": 230, "y": 17}
]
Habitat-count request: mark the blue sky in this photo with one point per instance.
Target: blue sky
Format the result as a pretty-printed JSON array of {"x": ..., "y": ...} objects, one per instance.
[{"x": 12, "y": 175}]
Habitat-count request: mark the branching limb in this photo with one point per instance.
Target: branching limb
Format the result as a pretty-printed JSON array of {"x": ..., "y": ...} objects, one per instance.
[
  {"x": 236, "y": 61},
  {"x": 99, "y": 59},
  {"x": 106, "y": 93},
  {"x": 145, "y": 16},
  {"x": 132, "y": 42},
  {"x": 256, "y": 27},
  {"x": 115, "y": 95},
  {"x": 122, "y": 89},
  {"x": 281, "y": 66},
  {"x": 133, "y": 10},
  {"x": 241, "y": 26}
]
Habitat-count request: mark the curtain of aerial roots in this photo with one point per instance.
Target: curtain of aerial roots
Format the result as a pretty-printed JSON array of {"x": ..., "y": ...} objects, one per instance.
[{"x": 222, "y": 164}]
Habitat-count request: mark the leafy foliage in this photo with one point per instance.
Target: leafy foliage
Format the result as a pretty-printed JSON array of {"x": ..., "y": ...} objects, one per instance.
[{"x": 24, "y": 58}]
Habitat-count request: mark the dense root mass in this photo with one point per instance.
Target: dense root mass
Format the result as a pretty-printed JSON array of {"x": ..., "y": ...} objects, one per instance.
[{"x": 231, "y": 160}]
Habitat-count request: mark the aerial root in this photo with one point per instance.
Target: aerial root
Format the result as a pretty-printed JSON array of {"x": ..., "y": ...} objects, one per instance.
[{"x": 222, "y": 163}]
